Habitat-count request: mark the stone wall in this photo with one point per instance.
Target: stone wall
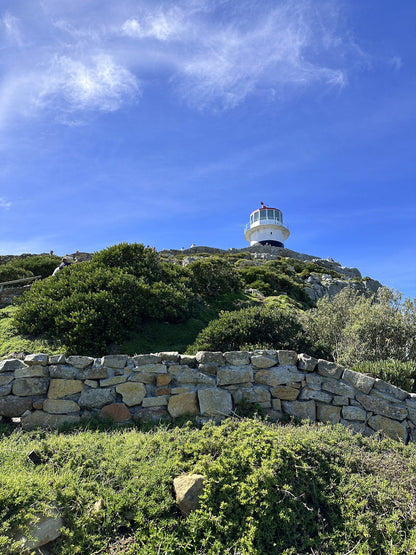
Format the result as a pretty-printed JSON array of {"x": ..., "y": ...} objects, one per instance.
[{"x": 46, "y": 390}]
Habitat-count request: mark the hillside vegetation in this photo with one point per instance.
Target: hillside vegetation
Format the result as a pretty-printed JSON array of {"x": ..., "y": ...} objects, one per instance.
[
  {"x": 269, "y": 489},
  {"x": 131, "y": 299}
]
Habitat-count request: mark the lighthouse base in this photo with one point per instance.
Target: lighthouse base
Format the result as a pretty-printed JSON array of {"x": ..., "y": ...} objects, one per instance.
[{"x": 268, "y": 242}]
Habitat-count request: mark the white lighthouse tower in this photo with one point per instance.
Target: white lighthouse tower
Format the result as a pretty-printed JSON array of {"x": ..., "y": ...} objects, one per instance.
[{"x": 266, "y": 227}]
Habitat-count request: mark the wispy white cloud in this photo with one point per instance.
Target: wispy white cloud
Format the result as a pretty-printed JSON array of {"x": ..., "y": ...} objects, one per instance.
[
  {"x": 11, "y": 26},
  {"x": 98, "y": 83},
  {"x": 4, "y": 203},
  {"x": 214, "y": 54}
]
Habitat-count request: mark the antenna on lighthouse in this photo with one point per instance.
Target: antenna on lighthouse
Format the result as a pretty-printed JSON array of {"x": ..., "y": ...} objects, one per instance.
[{"x": 266, "y": 227}]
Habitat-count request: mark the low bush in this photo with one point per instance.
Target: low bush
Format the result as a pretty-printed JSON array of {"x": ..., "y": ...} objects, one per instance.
[
  {"x": 86, "y": 306},
  {"x": 213, "y": 276},
  {"x": 272, "y": 279},
  {"x": 256, "y": 327}
]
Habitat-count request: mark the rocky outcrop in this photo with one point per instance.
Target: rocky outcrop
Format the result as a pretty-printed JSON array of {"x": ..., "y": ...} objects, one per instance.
[
  {"x": 318, "y": 286},
  {"x": 209, "y": 385}
]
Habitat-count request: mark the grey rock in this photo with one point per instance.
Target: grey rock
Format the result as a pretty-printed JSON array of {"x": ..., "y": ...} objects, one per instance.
[
  {"x": 46, "y": 420},
  {"x": 79, "y": 362},
  {"x": 257, "y": 394},
  {"x": 36, "y": 359},
  {"x": 279, "y": 376},
  {"x": 287, "y": 358},
  {"x": 338, "y": 388},
  {"x": 114, "y": 361},
  {"x": 359, "y": 381},
  {"x": 14, "y": 406},
  {"x": 132, "y": 393},
  {"x": 329, "y": 369},
  {"x": 391, "y": 428},
  {"x": 6, "y": 378},
  {"x": 36, "y": 371},
  {"x": 306, "y": 362},
  {"x": 215, "y": 402},
  {"x": 354, "y": 413},
  {"x": 390, "y": 390},
  {"x": 94, "y": 373},
  {"x": 314, "y": 381},
  {"x": 300, "y": 409},
  {"x": 11, "y": 364},
  {"x": 63, "y": 371},
  {"x": 234, "y": 375},
  {"x": 328, "y": 414},
  {"x": 57, "y": 359},
  {"x": 207, "y": 357},
  {"x": 45, "y": 530},
  {"x": 188, "y": 489},
  {"x": 237, "y": 358},
  {"x": 96, "y": 398},
  {"x": 58, "y": 406},
  {"x": 27, "y": 387},
  {"x": 382, "y": 407},
  {"x": 262, "y": 361},
  {"x": 5, "y": 389},
  {"x": 140, "y": 360},
  {"x": 340, "y": 400},
  {"x": 190, "y": 375},
  {"x": 155, "y": 401},
  {"x": 153, "y": 368},
  {"x": 308, "y": 394}
]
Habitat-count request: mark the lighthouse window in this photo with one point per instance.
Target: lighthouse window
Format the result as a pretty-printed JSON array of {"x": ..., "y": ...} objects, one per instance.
[
  {"x": 256, "y": 216},
  {"x": 263, "y": 215},
  {"x": 270, "y": 214}
]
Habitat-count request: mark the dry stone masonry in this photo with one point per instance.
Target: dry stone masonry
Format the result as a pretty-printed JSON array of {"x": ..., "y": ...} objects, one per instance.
[{"x": 48, "y": 391}]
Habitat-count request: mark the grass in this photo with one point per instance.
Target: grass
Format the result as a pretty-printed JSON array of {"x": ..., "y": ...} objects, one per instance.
[
  {"x": 268, "y": 489},
  {"x": 12, "y": 342},
  {"x": 155, "y": 336}
]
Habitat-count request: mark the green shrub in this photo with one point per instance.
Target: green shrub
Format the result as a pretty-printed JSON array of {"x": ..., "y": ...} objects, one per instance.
[
  {"x": 213, "y": 276},
  {"x": 86, "y": 306},
  {"x": 25, "y": 266},
  {"x": 10, "y": 273},
  {"x": 168, "y": 302},
  {"x": 271, "y": 279},
  {"x": 257, "y": 327},
  {"x": 351, "y": 328},
  {"x": 133, "y": 258}
]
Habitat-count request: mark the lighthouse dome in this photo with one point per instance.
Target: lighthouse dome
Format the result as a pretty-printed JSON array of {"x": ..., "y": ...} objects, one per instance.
[{"x": 266, "y": 227}]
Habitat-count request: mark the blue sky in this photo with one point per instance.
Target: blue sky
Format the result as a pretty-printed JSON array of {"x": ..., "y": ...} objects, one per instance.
[{"x": 168, "y": 122}]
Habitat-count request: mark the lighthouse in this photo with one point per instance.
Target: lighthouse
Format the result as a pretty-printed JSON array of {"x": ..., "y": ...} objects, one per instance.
[{"x": 266, "y": 227}]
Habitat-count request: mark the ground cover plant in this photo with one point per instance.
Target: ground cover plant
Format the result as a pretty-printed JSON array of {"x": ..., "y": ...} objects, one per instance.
[{"x": 268, "y": 489}]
